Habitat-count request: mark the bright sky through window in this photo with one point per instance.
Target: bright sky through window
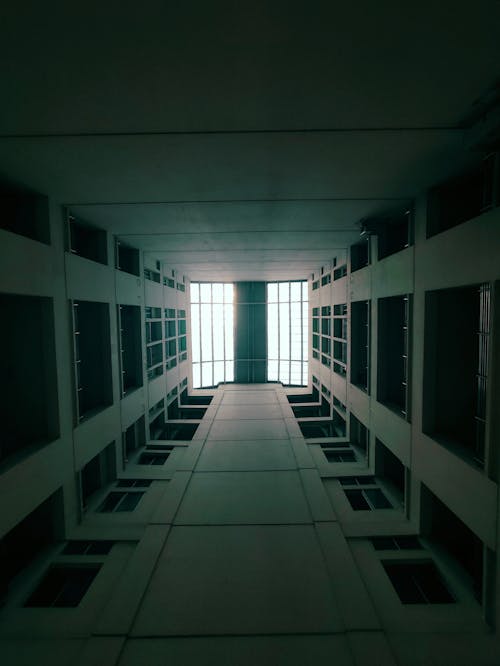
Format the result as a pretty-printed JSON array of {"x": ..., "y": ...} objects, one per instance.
[
  {"x": 287, "y": 332},
  {"x": 212, "y": 333}
]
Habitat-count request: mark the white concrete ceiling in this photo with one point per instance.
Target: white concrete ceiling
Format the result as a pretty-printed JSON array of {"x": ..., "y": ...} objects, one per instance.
[{"x": 240, "y": 140}]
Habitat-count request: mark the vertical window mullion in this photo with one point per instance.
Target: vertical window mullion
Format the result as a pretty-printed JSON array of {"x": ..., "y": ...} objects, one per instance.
[
  {"x": 301, "y": 337},
  {"x": 289, "y": 332},
  {"x": 212, "y": 327},
  {"x": 224, "y": 332},
  {"x": 279, "y": 336},
  {"x": 201, "y": 357}
]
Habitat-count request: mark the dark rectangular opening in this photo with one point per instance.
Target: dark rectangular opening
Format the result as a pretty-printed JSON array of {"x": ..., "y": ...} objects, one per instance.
[
  {"x": 119, "y": 501},
  {"x": 180, "y": 431},
  {"x": 443, "y": 527},
  {"x": 311, "y": 411},
  {"x": 29, "y": 406},
  {"x": 28, "y": 539},
  {"x": 92, "y": 357},
  {"x": 335, "y": 427},
  {"x": 156, "y": 426},
  {"x": 340, "y": 327},
  {"x": 153, "y": 331},
  {"x": 360, "y": 255},
  {"x": 367, "y": 499},
  {"x": 340, "y": 272},
  {"x": 365, "y": 480},
  {"x": 97, "y": 473},
  {"x": 87, "y": 241},
  {"x": 155, "y": 372},
  {"x": 152, "y": 312},
  {"x": 87, "y": 547},
  {"x": 150, "y": 458},
  {"x": 345, "y": 454},
  {"x": 130, "y": 347},
  {"x": 170, "y": 348},
  {"x": 127, "y": 259},
  {"x": 170, "y": 329},
  {"x": 195, "y": 399},
  {"x": 338, "y": 404},
  {"x": 403, "y": 542},
  {"x": 364, "y": 494},
  {"x": 456, "y": 348},
  {"x": 154, "y": 354},
  {"x": 418, "y": 582},
  {"x": 325, "y": 345},
  {"x": 326, "y": 279},
  {"x": 360, "y": 341},
  {"x": 393, "y": 234},
  {"x": 340, "y": 351},
  {"x": 134, "y": 437},
  {"x": 134, "y": 483},
  {"x": 358, "y": 435},
  {"x": 455, "y": 201},
  {"x": 154, "y": 276},
  {"x": 393, "y": 353},
  {"x": 176, "y": 412},
  {"x": 25, "y": 213},
  {"x": 63, "y": 586},
  {"x": 391, "y": 470}
]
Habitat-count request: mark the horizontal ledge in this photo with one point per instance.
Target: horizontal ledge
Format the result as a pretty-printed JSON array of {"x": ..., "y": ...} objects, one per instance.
[{"x": 229, "y": 132}]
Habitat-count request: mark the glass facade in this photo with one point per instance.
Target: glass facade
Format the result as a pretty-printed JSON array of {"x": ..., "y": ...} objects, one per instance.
[
  {"x": 287, "y": 332},
  {"x": 212, "y": 333}
]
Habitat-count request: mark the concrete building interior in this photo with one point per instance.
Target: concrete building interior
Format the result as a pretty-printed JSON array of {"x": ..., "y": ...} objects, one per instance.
[{"x": 250, "y": 305}]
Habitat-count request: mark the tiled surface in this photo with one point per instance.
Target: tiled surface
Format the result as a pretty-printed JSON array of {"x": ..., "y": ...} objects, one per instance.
[
  {"x": 228, "y": 412},
  {"x": 239, "y": 580},
  {"x": 246, "y": 455},
  {"x": 241, "y": 651},
  {"x": 249, "y": 429},
  {"x": 243, "y": 397},
  {"x": 220, "y": 498}
]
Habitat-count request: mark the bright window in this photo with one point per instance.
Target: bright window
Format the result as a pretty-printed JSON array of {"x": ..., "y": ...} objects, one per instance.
[
  {"x": 212, "y": 333},
  {"x": 287, "y": 332}
]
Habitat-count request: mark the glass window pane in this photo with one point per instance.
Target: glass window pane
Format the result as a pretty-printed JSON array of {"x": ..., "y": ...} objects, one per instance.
[
  {"x": 377, "y": 498},
  {"x": 111, "y": 501},
  {"x": 284, "y": 291},
  {"x": 206, "y": 293},
  {"x": 206, "y": 374},
  {"x": 195, "y": 333},
  {"x": 356, "y": 500},
  {"x": 287, "y": 331},
  {"x": 206, "y": 329},
  {"x": 217, "y": 292},
  {"x": 284, "y": 334},
  {"x": 228, "y": 332},
  {"x": 129, "y": 502},
  {"x": 195, "y": 292},
  {"x": 229, "y": 371},
  {"x": 295, "y": 291},
  {"x": 272, "y": 371},
  {"x": 296, "y": 331},
  {"x": 284, "y": 372},
  {"x": 218, "y": 372},
  {"x": 272, "y": 331},
  {"x": 196, "y": 375},
  {"x": 228, "y": 293},
  {"x": 218, "y": 332},
  {"x": 272, "y": 292},
  {"x": 305, "y": 330}
]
